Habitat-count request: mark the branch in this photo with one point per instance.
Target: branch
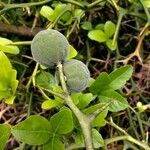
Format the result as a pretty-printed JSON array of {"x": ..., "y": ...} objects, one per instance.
[
  {"x": 23, "y": 5},
  {"x": 20, "y": 30}
]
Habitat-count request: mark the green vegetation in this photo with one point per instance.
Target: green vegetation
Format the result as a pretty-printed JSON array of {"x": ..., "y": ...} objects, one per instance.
[{"x": 74, "y": 75}]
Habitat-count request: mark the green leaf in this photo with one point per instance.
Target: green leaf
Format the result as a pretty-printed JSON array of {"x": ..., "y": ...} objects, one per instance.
[
  {"x": 110, "y": 45},
  {"x": 119, "y": 76},
  {"x": 109, "y": 28},
  {"x": 59, "y": 9},
  {"x": 87, "y": 25},
  {"x": 99, "y": 26},
  {"x": 4, "y": 135},
  {"x": 35, "y": 130},
  {"x": 54, "y": 143},
  {"x": 62, "y": 122},
  {"x": 49, "y": 104},
  {"x": 119, "y": 102},
  {"x": 97, "y": 35},
  {"x": 47, "y": 12},
  {"x": 8, "y": 84},
  {"x": 46, "y": 80},
  {"x": 97, "y": 139},
  {"x": 5, "y": 46},
  {"x": 115, "y": 80},
  {"x": 99, "y": 121},
  {"x": 147, "y": 3},
  {"x": 100, "y": 84},
  {"x": 84, "y": 100},
  {"x": 72, "y": 53}
]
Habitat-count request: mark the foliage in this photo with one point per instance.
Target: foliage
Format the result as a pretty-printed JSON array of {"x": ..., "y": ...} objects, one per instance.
[{"x": 39, "y": 111}]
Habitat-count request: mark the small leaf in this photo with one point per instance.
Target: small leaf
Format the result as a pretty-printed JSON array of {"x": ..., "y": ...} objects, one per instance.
[
  {"x": 99, "y": 121},
  {"x": 4, "y": 135},
  {"x": 47, "y": 12},
  {"x": 110, "y": 45},
  {"x": 49, "y": 104},
  {"x": 87, "y": 25},
  {"x": 97, "y": 35},
  {"x": 62, "y": 122},
  {"x": 10, "y": 100},
  {"x": 100, "y": 84},
  {"x": 5, "y": 46},
  {"x": 147, "y": 3},
  {"x": 84, "y": 100},
  {"x": 119, "y": 76},
  {"x": 109, "y": 28},
  {"x": 97, "y": 139},
  {"x": 119, "y": 102},
  {"x": 99, "y": 26},
  {"x": 72, "y": 53},
  {"x": 35, "y": 130},
  {"x": 115, "y": 80},
  {"x": 54, "y": 143},
  {"x": 8, "y": 84},
  {"x": 45, "y": 80}
]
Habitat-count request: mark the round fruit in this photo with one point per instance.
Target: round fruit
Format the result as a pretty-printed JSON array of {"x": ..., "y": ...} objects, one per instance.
[
  {"x": 49, "y": 47},
  {"x": 77, "y": 75}
]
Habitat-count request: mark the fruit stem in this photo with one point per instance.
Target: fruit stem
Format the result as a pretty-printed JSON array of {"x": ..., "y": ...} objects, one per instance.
[{"x": 84, "y": 121}]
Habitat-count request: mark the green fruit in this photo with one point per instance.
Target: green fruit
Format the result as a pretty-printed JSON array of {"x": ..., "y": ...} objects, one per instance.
[
  {"x": 49, "y": 47},
  {"x": 77, "y": 75}
]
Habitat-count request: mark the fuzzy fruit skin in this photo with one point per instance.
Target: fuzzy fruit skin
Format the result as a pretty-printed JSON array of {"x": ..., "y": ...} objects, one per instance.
[
  {"x": 49, "y": 47},
  {"x": 77, "y": 75}
]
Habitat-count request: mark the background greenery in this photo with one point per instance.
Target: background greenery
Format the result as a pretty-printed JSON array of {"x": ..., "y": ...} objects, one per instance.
[{"x": 104, "y": 34}]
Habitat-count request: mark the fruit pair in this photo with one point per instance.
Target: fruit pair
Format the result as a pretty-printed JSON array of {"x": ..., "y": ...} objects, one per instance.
[{"x": 49, "y": 47}]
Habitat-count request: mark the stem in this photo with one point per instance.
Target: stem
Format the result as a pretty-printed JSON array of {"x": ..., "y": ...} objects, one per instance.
[
  {"x": 21, "y": 43},
  {"x": 74, "y": 3},
  {"x": 146, "y": 11},
  {"x": 122, "y": 12},
  {"x": 126, "y": 137},
  {"x": 83, "y": 120},
  {"x": 11, "y": 6},
  {"x": 50, "y": 91},
  {"x": 94, "y": 4}
]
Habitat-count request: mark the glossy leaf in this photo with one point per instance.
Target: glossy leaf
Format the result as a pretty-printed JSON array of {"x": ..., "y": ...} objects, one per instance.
[
  {"x": 119, "y": 76},
  {"x": 62, "y": 122},
  {"x": 4, "y": 135},
  {"x": 5, "y": 46},
  {"x": 54, "y": 143},
  {"x": 109, "y": 28},
  {"x": 47, "y": 12},
  {"x": 119, "y": 102},
  {"x": 87, "y": 25},
  {"x": 100, "y": 84},
  {"x": 8, "y": 84},
  {"x": 72, "y": 52},
  {"x": 99, "y": 121},
  {"x": 97, "y": 139},
  {"x": 84, "y": 100},
  {"x": 110, "y": 45},
  {"x": 35, "y": 130},
  {"x": 115, "y": 80},
  {"x": 49, "y": 104},
  {"x": 147, "y": 3},
  {"x": 45, "y": 80},
  {"x": 97, "y": 35}
]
